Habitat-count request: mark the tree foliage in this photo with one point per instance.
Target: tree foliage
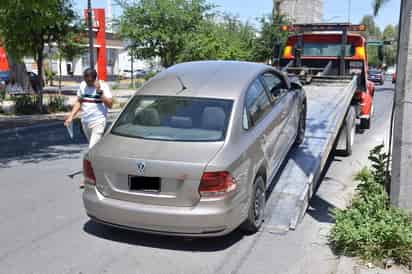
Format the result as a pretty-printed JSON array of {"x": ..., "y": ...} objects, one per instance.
[
  {"x": 377, "y": 6},
  {"x": 269, "y": 36},
  {"x": 160, "y": 27},
  {"x": 226, "y": 38},
  {"x": 26, "y": 26},
  {"x": 390, "y": 33},
  {"x": 373, "y": 31}
]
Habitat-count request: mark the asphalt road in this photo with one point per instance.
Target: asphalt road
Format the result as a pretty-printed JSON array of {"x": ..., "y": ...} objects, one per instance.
[{"x": 44, "y": 229}]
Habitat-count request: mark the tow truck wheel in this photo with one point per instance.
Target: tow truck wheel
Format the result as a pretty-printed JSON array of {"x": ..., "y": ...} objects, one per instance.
[
  {"x": 349, "y": 129},
  {"x": 365, "y": 123},
  {"x": 257, "y": 208}
]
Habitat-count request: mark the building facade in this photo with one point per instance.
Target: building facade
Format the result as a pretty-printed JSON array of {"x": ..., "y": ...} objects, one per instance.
[{"x": 302, "y": 11}]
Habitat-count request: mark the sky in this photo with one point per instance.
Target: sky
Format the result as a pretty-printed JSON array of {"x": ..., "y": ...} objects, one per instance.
[{"x": 248, "y": 10}]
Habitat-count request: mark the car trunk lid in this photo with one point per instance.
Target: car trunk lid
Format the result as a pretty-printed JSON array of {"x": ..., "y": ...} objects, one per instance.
[{"x": 122, "y": 164}]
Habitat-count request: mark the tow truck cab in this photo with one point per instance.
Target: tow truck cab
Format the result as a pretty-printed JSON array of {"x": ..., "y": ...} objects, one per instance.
[{"x": 332, "y": 50}]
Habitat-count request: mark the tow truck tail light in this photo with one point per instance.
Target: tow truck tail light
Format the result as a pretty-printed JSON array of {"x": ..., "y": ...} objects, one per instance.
[
  {"x": 216, "y": 183},
  {"x": 360, "y": 53},
  {"x": 287, "y": 53},
  {"x": 88, "y": 173}
]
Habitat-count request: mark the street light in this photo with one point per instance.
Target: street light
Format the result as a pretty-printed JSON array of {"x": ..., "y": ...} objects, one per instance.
[
  {"x": 349, "y": 9},
  {"x": 90, "y": 32}
]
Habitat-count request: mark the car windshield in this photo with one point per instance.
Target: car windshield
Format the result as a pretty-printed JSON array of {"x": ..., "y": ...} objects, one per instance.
[
  {"x": 326, "y": 49},
  {"x": 374, "y": 71},
  {"x": 174, "y": 119}
]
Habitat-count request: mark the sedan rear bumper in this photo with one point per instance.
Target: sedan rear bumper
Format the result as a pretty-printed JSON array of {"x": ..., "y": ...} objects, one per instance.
[{"x": 204, "y": 220}]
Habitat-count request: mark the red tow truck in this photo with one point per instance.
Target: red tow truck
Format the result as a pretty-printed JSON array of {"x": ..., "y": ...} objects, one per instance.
[{"x": 333, "y": 51}]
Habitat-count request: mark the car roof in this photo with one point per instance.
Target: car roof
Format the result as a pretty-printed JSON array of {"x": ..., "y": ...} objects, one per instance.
[{"x": 209, "y": 79}]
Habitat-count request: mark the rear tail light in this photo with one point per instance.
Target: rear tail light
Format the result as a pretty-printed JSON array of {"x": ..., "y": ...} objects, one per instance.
[
  {"x": 287, "y": 53},
  {"x": 88, "y": 173},
  {"x": 360, "y": 53},
  {"x": 216, "y": 183}
]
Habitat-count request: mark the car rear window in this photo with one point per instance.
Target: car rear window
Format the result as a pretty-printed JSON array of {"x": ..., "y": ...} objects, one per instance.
[
  {"x": 326, "y": 49},
  {"x": 175, "y": 119}
]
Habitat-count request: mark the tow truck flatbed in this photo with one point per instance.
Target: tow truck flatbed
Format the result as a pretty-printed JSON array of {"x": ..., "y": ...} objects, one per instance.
[{"x": 327, "y": 107}]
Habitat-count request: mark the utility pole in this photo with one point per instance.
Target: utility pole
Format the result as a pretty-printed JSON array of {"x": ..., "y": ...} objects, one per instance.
[
  {"x": 349, "y": 10},
  {"x": 401, "y": 185},
  {"x": 90, "y": 32}
]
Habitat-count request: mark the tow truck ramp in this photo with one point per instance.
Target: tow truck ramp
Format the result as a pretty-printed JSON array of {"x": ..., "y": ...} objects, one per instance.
[{"x": 327, "y": 105}]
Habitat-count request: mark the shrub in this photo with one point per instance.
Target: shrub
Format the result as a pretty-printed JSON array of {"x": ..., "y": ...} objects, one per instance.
[
  {"x": 370, "y": 228},
  {"x": 56, "y": 104},
  {"x": 2, "y": 94},
  {"x": 26, "y": 104}
]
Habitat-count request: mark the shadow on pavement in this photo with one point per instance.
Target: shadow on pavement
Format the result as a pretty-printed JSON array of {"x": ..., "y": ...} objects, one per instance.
[
  {"x": 319, "y": 208},
  {"x": 36, "y": 145},
  {"x": 162, "y": 242}
]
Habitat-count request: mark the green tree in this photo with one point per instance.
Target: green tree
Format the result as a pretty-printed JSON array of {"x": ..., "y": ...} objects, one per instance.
[
  {"x": 71, "y": 46},
  {"x": 390, "y": 33},
  {"x": 377, "y": 5},
  {"x": 221, "y": 38},
  {"x": 161, "y": 27},
  {"x": 373, "y": 31},
  {"x": 269, "y": 36},
  {"x": 27, "y": 26}
]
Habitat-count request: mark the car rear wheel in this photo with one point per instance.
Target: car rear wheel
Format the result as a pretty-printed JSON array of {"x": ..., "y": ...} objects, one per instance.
[
  {"x": 349, "y": 129},
  {"x": 257, "y": 208}
]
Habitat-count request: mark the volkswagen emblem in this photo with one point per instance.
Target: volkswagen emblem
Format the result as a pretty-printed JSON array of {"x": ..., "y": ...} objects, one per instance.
[{"x": 141, "y": 165}]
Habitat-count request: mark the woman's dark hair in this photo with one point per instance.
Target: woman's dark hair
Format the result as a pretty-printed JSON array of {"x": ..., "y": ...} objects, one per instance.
[{"x": 90, "y": 72}]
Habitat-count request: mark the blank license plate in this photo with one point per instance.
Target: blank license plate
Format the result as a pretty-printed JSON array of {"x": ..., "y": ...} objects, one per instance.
[{"x": 144, "y": 184}]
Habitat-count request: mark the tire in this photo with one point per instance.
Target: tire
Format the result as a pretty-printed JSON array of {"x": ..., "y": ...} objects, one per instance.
[
  {"x": 349, "y": 129},
  {"x": 300, "y": 136},
  {"x": 365, "y": 123},
  {"x": 256, "y": 213}
]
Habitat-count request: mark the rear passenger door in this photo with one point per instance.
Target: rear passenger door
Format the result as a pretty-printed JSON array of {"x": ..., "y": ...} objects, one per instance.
[
  {"x": 257, "y": 119},
  {"x": 282, "y": 101}
]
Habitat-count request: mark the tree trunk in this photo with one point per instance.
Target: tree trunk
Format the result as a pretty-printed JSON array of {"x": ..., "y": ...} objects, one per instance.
[
  {"x": 60, "y": 74},
  {"x": 39, "y": 61},
  {"x": 18, "y": 70}
]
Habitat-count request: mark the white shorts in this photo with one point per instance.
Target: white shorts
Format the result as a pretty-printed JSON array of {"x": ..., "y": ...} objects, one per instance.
[{"x": 94, "y": 131}]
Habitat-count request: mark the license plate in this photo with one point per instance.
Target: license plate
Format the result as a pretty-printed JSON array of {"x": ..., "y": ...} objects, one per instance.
[{"x": 144, "y": 184}]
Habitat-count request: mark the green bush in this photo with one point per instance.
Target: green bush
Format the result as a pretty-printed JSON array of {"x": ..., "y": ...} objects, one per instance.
[
  {"x": 2, "y": 94},
  {"x": 370, "y": 228},
  {"x": 56, "y": 104},
  {"x": 26, "y": 104}
]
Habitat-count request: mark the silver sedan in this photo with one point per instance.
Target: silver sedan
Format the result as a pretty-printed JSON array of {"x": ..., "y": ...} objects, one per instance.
[{"x": 195, "y": 149}]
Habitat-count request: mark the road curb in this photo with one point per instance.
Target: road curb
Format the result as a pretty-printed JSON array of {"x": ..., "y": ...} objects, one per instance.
[
  {"x": 45, "y": 125},
  {"x": 23, "y": 129}
]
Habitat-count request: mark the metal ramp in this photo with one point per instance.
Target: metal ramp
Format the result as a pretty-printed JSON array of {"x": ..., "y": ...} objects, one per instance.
[{"x": 327, "y": 107}]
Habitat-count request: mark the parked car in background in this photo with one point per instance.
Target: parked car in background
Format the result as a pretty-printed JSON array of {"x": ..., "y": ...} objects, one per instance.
[
  {"x": 195, "y": 150},
  {"x": 376, "y": 76},
  {"x": 138, "y": 73}
]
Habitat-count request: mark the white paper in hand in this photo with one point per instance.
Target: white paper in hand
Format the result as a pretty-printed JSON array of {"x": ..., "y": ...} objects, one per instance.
[{"x": 70, "y": 130}]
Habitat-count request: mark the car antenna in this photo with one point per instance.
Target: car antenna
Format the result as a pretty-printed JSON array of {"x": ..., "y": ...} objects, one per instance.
[{"x": 181, "y": 83}]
